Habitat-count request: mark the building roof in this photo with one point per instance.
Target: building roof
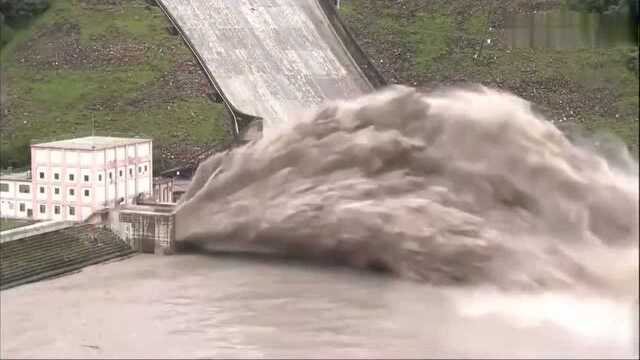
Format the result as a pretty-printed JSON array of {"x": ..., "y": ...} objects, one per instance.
[
  {"x": 91, "y": 143},
  {"x": 16, "y": 176}
]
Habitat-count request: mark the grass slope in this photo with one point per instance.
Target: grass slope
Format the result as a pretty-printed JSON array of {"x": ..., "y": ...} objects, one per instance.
[
  {"x": 440, "y": 42},
  {"x": 112, "y": 62}
]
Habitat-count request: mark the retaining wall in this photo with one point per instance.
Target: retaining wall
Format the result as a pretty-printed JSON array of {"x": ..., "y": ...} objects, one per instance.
[{"x": 34, "y": 229}]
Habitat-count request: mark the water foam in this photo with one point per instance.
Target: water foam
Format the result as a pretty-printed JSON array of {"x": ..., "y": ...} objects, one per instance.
[{"x": 460, "y": 186}]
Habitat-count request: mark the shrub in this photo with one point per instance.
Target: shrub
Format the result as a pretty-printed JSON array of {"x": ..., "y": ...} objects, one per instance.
[
  {"x": 6, "y": 32},
  {"x": 14, "y": 10},
  {"x": 603, "y": 6}
]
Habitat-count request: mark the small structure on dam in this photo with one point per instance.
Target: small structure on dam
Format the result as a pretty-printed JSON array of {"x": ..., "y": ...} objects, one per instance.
[{"x": 148, "y": 228}]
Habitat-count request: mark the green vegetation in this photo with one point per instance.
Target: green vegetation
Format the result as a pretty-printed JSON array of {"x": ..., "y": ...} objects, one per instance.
[
  {"x": 111, "y": 64},
  {"x": 18, "y": 13},
  {"x": 433, "y": 43},
  {"x": 603, "y": 5},
  {"x": 427, "y": 33},
  {"x": 20, "y": 9}
]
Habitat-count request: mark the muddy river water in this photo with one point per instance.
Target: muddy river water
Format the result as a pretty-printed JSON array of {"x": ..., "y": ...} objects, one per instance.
[{"x": 200, "y": 306}]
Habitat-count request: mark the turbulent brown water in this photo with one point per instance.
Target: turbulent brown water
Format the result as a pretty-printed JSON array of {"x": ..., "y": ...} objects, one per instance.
[{"x": 461, "y": 186}]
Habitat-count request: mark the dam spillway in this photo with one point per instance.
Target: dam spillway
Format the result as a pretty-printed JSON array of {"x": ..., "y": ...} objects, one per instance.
[{"x": 269, "y": 58}]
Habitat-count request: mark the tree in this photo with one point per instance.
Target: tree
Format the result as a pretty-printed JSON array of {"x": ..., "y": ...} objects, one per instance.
[
  {"x": 6, "y": 32},
  {"x": 602, "y": 6},
  {"x": 15, "y": 10}
]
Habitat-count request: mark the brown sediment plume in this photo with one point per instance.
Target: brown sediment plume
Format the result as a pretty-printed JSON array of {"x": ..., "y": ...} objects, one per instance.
[{"x": 460, "y": 186}]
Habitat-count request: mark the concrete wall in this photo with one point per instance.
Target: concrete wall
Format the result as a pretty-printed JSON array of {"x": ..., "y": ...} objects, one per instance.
[
  {"x": 269, "y": 58},
  {"x": 35, "y": 229},
  {"x": 145, "y": 228}
]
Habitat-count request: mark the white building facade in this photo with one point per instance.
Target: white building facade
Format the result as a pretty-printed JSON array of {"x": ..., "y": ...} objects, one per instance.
[
  {"x": 72, "y": 179},
  {"x": 16, "y": 198}
]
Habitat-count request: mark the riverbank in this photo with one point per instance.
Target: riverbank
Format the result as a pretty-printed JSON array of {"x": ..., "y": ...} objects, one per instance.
[
  {"x": 114, "y": 63},
  {"x": 430, "y": 44}
]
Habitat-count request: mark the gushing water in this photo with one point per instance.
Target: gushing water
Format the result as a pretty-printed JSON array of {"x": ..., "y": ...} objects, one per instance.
[{"x": 466, "y": 186}]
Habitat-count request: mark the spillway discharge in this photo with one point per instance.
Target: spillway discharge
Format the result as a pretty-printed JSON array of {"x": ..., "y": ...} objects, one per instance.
[{"x": 459, "y": 186}]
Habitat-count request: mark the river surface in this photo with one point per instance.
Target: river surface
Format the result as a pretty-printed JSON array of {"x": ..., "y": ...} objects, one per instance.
[{"x": 200, "y": 306}]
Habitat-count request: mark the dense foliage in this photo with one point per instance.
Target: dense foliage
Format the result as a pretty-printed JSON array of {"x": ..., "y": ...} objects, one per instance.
[
  {"x": 603, "y": 6},
  {"x": 21, "y": 9},
  {"x": 13, "y": 12}
]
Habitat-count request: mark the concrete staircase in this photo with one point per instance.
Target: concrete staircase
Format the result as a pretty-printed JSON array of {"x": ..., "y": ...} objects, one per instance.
[{"x": 53, "y": 253}]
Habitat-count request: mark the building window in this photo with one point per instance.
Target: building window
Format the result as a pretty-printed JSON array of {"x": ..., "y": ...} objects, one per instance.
[
  {"x": 100, "y": 177},
  {"x": 4, "y": 187},
  {"x": 24, "y": 189},
  {"x": 41, "y": 189},
  {"x": 72, "y": 210},
  {"x": 56, "y": 176},
  {"x": 72, "y": 192},
  {"x": 130, "y": 172},
  {"x": 43, "y": 209},
  {"x": 56, "y": 209},
  {"x": 145, "y": 168},
  {"x": 139, "y": 169},
  {"x": 56, "y": 190},
  {"x": 86, "y": 192},
  {"x": 120, "y": 173},
  {"x": 22, "y": 207},
  {"x": 86, "y": 178},
  {"x": 72, "y": 177},
  {"x": 110, "y": 176},
  {"x": 41, "y": 174}
]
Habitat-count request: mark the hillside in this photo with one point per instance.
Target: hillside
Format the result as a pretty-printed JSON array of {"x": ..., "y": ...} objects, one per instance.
[
  {"x": 431, "y": 43},
  {"x": 115, "y": 62}
]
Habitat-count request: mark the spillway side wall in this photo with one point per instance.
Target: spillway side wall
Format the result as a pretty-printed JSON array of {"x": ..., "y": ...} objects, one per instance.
[
  {"x": 240, "y": 119},
  {"x": 351, "y": 45}
]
